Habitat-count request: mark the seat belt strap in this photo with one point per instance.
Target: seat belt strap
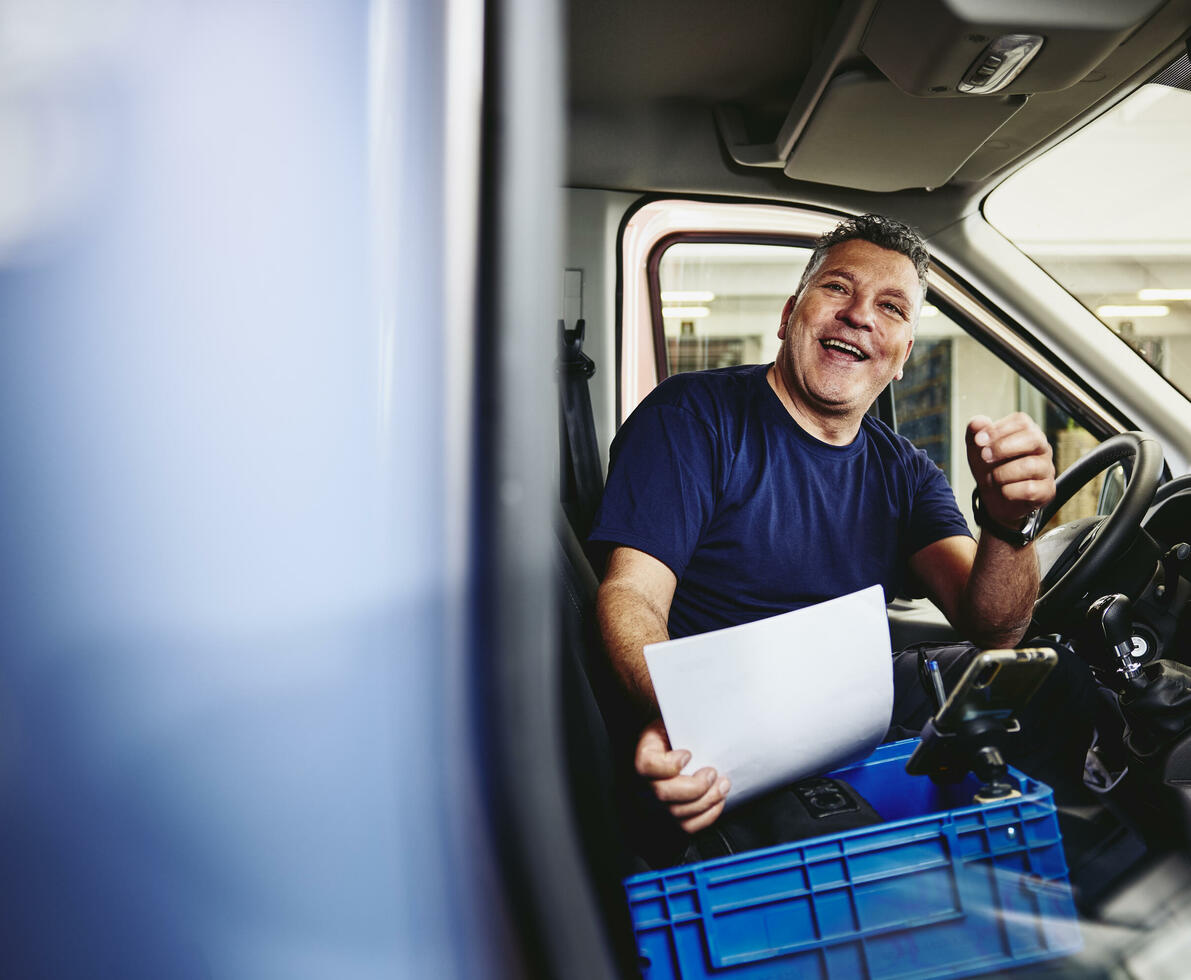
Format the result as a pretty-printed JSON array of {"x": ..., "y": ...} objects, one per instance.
[{"x": 581, "y": 475}]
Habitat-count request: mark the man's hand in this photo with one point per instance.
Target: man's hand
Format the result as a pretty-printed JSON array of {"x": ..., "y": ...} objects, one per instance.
[
  {"x": 1013, "y": 466},
  {"x": 987, "y": 589},
  {"x": 695, "y": 801}
]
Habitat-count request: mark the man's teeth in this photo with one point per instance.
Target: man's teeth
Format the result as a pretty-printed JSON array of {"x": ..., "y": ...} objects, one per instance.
[{"x": 856, "y": 352}]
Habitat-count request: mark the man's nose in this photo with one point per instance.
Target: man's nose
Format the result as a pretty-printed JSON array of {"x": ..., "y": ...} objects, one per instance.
[{"x": 860, "y": 312}]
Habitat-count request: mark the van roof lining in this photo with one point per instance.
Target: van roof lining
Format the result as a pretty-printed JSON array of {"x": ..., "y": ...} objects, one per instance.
[{"x": 635, "y": 65}]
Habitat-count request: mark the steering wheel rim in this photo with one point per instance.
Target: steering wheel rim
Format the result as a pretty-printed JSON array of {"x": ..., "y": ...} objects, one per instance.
[{"x": 1118, "y": 528}]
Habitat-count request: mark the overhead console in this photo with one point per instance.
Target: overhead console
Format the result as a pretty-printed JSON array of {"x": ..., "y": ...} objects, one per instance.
[{"x": 927, "y": 84}]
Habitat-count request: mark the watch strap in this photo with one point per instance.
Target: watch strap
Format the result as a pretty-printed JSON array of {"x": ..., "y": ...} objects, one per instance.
[{"x": 1018, "y": 538}]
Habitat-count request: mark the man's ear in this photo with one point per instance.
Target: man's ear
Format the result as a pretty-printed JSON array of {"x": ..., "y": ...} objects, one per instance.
[
  {"x": 786, "y": 311},
  {"x": 909, "y": 347}
]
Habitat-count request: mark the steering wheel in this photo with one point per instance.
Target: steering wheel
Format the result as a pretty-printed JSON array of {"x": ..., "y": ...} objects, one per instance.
[{"x": 1116, "y": 531}]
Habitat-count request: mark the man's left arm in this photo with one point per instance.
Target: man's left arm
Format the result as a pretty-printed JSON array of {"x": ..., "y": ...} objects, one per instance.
[{"x": 987, "y": 589}]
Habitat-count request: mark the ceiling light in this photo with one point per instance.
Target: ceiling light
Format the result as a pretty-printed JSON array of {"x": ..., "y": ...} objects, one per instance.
[
  {"x": 1129, "y": 312},
  {"x": 684, "y": 312},
  {"x": 1164, "y": 294},
  {"x": 928, "y": 310},
  {"x": 687, "y": 296},
  {"x": 1000, "y": 63}
]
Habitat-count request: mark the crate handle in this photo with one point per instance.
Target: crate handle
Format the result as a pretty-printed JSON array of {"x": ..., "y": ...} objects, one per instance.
[{"x": 721, "y": 960}]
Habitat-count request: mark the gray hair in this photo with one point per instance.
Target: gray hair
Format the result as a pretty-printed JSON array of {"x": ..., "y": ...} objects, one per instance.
[{"x": 879, "y": 230}]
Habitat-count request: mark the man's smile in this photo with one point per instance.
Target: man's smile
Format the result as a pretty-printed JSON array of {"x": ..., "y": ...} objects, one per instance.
[{"x": 833, "y": 343}]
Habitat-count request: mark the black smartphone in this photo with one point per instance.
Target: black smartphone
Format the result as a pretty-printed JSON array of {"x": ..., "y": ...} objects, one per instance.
[{"x": 996, "y": 684}]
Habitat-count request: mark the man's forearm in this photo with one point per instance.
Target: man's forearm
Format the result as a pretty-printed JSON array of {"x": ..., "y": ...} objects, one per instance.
[
  {"x": 1013, "y": 467},
  {"x": 998, "y": 602},
  {"x": 628, "y": 622}
]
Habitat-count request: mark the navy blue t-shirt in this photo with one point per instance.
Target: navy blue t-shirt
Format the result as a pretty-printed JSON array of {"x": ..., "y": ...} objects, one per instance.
[{"x": 755, "y": 516}]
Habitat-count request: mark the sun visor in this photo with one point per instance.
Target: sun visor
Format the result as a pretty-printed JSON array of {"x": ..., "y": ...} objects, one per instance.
[
  {"x": 929, "y": 48},
  {"x": 920, "y": 142}
]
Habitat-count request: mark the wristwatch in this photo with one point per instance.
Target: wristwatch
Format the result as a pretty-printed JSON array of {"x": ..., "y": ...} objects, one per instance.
[{"x": 1018, "y": 538}]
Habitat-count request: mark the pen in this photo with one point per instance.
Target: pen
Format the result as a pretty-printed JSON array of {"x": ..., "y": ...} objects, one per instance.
[{"x": 936, "y": 679}]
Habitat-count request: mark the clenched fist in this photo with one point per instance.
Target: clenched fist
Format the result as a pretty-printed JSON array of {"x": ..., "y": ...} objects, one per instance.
[{"x": 1013, "y": 466}]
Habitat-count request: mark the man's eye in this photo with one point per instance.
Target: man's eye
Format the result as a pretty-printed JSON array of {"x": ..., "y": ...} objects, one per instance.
[
  {"x": 895, "y": 309},
  {"x": 834, "y": 285}
]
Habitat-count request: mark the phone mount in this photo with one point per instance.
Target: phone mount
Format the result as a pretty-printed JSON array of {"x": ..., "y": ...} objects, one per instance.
[
  {"x": 972, "y": 725},
  {"x": 975, "y": 746}
]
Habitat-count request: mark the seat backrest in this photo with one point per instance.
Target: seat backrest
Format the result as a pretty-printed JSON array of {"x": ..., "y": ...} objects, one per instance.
[{"x": 596, "y": 726}]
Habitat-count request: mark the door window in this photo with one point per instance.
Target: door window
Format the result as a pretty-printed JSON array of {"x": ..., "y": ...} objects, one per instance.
[{"x": 721, "y": 301}]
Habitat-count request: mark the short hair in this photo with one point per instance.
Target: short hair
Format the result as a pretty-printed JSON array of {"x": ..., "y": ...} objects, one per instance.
[{"x": 877, "y": 229}]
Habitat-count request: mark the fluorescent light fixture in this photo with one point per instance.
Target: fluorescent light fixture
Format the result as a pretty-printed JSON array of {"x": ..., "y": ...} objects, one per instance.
[
  {"x": 684, "y": 312},
  {"x": 1131, "y": 312},
  {"x": 928, "y": 310},
  {"x": 687, "y": 296},
  {"x": 1164, "y": 294}
]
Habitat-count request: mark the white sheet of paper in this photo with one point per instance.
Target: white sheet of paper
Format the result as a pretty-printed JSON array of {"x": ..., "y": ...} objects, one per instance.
[{"x": 774, "y": 701}]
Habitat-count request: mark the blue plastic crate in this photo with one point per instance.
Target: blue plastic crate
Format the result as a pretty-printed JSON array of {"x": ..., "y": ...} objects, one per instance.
[{"x": 941, "y": 889}]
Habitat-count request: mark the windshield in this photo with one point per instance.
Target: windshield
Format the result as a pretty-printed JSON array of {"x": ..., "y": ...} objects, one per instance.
[{"x": 1107, "y": 213}]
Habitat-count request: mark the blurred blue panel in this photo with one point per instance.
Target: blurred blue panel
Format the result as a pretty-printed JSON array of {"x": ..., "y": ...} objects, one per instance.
[{"x": 225, "y": 725}]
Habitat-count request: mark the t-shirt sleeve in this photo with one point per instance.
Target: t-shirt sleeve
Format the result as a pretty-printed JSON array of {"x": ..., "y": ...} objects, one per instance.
[
  {"x": 660, "y": 491},
  {"x": 935, "y": 514}
]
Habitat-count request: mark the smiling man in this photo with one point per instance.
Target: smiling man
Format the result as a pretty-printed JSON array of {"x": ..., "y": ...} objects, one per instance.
[{"x": 746, "y": 492}]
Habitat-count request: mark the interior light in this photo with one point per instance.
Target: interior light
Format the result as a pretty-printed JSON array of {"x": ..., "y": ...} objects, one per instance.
[
  {"x": 1164, "y": 294},
  {"x": 1132, "y": 312},
  {"x": 928, "y": 310},
  {"x": 684, "y": 312},
  {"x": 1000, "y": 63},
  {"x": 687, "y": 296}
]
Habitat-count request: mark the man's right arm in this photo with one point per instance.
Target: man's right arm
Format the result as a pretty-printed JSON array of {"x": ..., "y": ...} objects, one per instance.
[{"x": 634, "y": 606}]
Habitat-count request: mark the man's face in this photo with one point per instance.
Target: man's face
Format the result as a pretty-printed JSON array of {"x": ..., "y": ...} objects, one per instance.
[{"x": 851, "y": 330}]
